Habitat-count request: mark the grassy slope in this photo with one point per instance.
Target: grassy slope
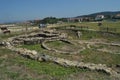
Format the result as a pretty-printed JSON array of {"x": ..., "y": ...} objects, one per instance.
[
  {"x": 93, "y": 25},
  {"x": 15, "y": 67},
  {"x": 88, "y": 55}
]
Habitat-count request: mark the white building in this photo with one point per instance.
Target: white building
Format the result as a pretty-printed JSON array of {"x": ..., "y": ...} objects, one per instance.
[{"x": 99, "y": 17}]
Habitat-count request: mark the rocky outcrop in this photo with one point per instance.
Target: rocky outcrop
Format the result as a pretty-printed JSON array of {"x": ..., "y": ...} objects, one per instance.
[
  {"x": 2, "y": 43},
  {"x": 79, "y": 34}
]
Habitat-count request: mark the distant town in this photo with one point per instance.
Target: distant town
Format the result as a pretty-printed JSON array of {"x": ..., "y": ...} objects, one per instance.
[{"x": 111, "y": 16}]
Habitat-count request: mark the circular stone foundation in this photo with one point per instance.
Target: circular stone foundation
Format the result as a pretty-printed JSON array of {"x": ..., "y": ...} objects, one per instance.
[
  {"x": 110, "y": 48},
  {"x": 62, "y": 46}
]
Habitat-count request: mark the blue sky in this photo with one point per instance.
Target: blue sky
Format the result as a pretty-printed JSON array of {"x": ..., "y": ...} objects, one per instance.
[{"x": 17, "y": 10}]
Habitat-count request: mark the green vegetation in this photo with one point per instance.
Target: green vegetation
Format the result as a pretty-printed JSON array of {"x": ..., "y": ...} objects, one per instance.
[
  {"x": 62, "y": 46},
  {"x": 5, "y": 36},
  {"x": 15, "y": 67},
  {"x": 48, "y": 68},
  {"x": 87, "y": 35},
  {"x": 88, "y": 55},
  {"x": 9, "y": 59},
  {"x": 94, "y": 25},
  {"x": 56, "y": 44},
  {"x": 94, "y": 56},
  {"x": 49, "y": 20},
  {"x": 115, "y": 49},
  {"x": 12, "y": 34},
  {"x": 36, "y": 47}
]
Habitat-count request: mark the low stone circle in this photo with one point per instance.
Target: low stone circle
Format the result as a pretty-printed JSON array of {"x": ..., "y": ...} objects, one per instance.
[
  {"x": 58, "y": 51},
  {"x": 90, "y": 43}
]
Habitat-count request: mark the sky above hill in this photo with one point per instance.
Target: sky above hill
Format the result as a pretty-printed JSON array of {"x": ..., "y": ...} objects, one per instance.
[{"x": 18, "y": 10}]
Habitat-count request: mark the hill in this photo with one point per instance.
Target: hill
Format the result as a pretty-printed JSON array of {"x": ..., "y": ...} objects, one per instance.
[{"x": 106, "y": 13}]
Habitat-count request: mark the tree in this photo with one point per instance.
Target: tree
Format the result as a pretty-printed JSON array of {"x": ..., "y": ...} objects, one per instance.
[
  {"x": 63, "y": 19},
  {"x": 50, "y": 20},
  {"x": 108, "y": 16},
  {"x": 36, "y": 22}
]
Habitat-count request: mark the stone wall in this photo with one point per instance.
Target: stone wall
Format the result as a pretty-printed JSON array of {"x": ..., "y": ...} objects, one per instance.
[
  {"x": 63, "y": 62},
  {"x": 36, "y": 38},
  {"x": 58, "y": 51}
]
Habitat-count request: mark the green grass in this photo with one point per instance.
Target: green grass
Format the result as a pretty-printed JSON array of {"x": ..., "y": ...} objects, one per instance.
[
  {"x": 88, "y": 55},
  {"x": 36, "y": 47},
  {"x": 94, "y": 25},
  {"x": 12, "y": 34},
  {"x": 87, "y": 35},
  {"x": 41, "y": 67},
  {"x": 62, "y": 46},
  {"x": 15, "y": 67},
  {"x": 90, "y": 35},
  {"x": 97, "y": 35},
  {"x": 3, "y": 50},
  {"x": 30, "y": 67},
  {"x": 115, "y": 49},
  {"x": 56, "y": 43},
  {"x": 48, "y": 68},
  {"x": 91, "y": 55}
]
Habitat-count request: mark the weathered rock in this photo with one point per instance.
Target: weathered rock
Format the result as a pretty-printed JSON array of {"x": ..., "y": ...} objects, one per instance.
[
  {"x": 2, "y": 43},
  {"x": 118, "y": 65},
  {"x": 79, "y": 34}
]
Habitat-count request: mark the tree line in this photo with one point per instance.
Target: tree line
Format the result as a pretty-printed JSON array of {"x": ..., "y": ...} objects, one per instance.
[{"x": 49, "y": 20}]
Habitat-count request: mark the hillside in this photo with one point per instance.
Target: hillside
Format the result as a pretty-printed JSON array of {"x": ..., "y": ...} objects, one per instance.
[{"x": 106, "y": 13}]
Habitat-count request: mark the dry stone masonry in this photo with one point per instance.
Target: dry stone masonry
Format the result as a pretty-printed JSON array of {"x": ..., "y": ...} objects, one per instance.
[
  {"x": 43, "y": 37},
  {"x": 36, "y": 38},
  {"x": 67, "y": 63}
]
